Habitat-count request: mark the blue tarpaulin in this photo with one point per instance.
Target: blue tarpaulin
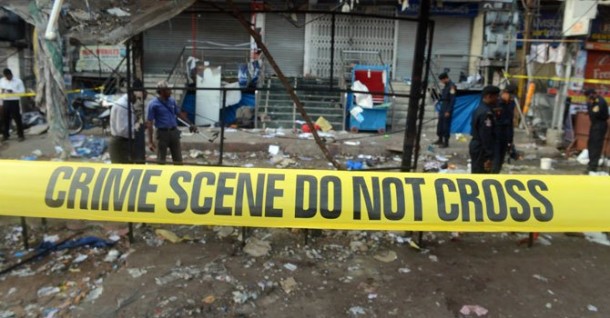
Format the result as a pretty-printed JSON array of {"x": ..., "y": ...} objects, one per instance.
[{"x": 465, "y": 105}]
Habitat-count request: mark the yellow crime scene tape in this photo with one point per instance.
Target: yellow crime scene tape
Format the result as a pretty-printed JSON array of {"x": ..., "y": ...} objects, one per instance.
[
  {"x": 30, "y": 94},
  {"x": 560, "y": 79},
  {"x": 342, "y": 200}
]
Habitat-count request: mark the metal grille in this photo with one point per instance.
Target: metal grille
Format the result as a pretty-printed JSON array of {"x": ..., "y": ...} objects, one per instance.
[{"x": 351, "y": 34}]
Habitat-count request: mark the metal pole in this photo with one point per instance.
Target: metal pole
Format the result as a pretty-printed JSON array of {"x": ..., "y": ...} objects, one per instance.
[
  {"x": 332, "y": 49},
  {"x": 222, "y": 127},
  {"x": 24, "y": 233},
  {"x": 423, "y": 101},
  {"x": 129, "y": 121},
  {"x": 416, "y": 85}
]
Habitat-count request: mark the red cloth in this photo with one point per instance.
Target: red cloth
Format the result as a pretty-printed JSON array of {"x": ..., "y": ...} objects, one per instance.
[{"x": 374, "y": 83}]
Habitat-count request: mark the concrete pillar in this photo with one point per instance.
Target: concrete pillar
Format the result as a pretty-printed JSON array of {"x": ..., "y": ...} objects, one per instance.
[{"x": 476, "y": 42}]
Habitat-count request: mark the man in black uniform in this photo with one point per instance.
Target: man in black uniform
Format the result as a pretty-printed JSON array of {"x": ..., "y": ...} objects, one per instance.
[
  {"x": 443, "y": 126},
  {"x": 484, "y": 132},
  {"x": 505, "y": 112},
  {"x": 598, "y": 114}
]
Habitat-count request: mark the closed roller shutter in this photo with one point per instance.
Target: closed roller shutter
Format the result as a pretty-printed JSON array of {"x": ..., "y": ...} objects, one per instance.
[
  {"x": 164, "y": 42},
  {"x": 286, "y": 42},
  {"x": 450, "y": 48}
]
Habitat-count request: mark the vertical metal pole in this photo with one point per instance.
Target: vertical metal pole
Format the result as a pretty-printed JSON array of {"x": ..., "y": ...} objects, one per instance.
[
  {"x": 129, "y": 121},
  {"x": 420, "y": 120},
  {"x": 416, "y": 85},
  {"x": 332, "y": 49},
  {"x": 222, "y": 126},
  {"x": 24, "y": 233},
  {"x": 129, "y": 105}
]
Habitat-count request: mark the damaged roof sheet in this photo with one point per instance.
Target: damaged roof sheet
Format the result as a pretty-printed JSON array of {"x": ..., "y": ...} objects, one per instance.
[{"x": 103, "y": 21}]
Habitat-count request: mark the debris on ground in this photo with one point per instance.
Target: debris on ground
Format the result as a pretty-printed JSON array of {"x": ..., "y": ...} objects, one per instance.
[
  {"x": 257, "y": 248},
  {"x": 386, "y": 256},
  {"x": 473, "y": 309}
]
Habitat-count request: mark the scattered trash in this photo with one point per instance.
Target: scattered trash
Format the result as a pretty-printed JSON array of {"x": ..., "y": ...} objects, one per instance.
[
  {"x": 372, "y": 296},
  {"x": 118, "y": 12},
  {"x": 168, "y": 235},
  {"x": 357, "y": 310},
  {"x": 288, "y": 284},
  {"x": 548, "y": 305},
  {"x": 540, "y": 278},
  {"x": 404, "y": 270},
  {"x": 591, "y": 308},
  {"x": 354, "y": 165},
  {"x": 441, "y": 158},
  {"x": 7, "y": 314},
  {"x": 386, "y": 256},
  {"x": 80, "y": 258},
  {"x": 324, "y": 124},
  {"x": 111, "y": 256},
  {"x": 47, "y": 291},
  {"x": 209, "y": 299},
  {"x": 195, "y": 153},
  {"x": 352, "y": 143},
  {"x": 256, "y": 248},
  {"x": 597, "y": 237},
  {"x": 291, "y": 267},
  {"x": 241, "y": 297},
  {"x": 223, "y": 231},
  {"x": 94, "y": 294},
  {"x": 50, "y": 238},
  {"x": 136, "y": 272},
  {"x": 274, "y": 150},
  {"x": 37, "y": 153},
  {"x": 433, "y": 258},
  {"x": 473, "y": 309}
]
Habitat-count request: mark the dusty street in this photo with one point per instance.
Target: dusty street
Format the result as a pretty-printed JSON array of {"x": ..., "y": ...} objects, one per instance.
[{"x": 176, "y": 271}]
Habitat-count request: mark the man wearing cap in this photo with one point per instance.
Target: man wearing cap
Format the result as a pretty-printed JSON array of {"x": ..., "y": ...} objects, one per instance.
[
  {"x": 483, "y": 132},
  {"x": 119, "y": 148},
  {"x": 162, "y": 112},
  {"x": 504, "y": 112},
  {"x": 10, "y": 109},
  {"x": 598, "y": 115},
  {"x": 443, "y": 126}
]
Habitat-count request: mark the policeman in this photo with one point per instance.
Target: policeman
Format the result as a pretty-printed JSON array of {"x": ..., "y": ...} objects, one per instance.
[
  {"x": 483, "y": 130},
  {"x": 598, "y": 114},
  {"x": 443, "y": 126},
  {"x": 504, "y": 112}
]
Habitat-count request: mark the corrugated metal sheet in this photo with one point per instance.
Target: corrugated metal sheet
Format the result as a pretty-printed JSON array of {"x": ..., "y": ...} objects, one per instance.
[
  {"x": 286, "y": 42},
  {"x": 164, "y": 42}
]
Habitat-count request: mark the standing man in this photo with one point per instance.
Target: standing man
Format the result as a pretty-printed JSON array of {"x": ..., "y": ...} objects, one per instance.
[
  {"x": 443, "y": 126},
  {"x": 119, "y": 147},
  {"x": 505, "y": 113},
  {"x": 484, "y": 132},
  {"x": 162, "y": 112},
  {"x": 11, "y": 85},
  {"x": 598, "y": 115}
]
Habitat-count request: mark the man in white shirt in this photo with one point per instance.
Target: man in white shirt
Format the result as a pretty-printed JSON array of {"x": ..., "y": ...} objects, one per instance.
[
  {"x": 119, "y": 147},
  {"x": 10, "y": 109}
]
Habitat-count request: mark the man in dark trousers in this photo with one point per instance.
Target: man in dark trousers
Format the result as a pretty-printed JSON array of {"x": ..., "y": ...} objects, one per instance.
[
  {"x": 598, "y": 115},
  {"x": 443, "y": 126},
  {"x": 10, "y": 109},
  {"x": 505, "y": 112},
  {"x": 483, "y": 132},
  {"x": 162, "y": 112}
]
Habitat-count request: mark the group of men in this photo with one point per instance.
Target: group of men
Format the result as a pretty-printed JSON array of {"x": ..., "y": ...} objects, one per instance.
[
  {"x": 492, "y": 126},
  {"x": 161, "y": 114}
]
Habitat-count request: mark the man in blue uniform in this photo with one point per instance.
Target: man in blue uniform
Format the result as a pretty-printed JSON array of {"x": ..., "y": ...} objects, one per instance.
[
  {"x": 598, "y": 114},
  {"x": 162, "y": 112},
  {"x": 504, "y": 112},
  {"x": 483, "y": 132},
  {"x": 443, "y": 126}
]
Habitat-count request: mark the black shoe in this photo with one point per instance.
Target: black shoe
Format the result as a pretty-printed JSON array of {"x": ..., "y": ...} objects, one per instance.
[{"x": 438, "y": 142}]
